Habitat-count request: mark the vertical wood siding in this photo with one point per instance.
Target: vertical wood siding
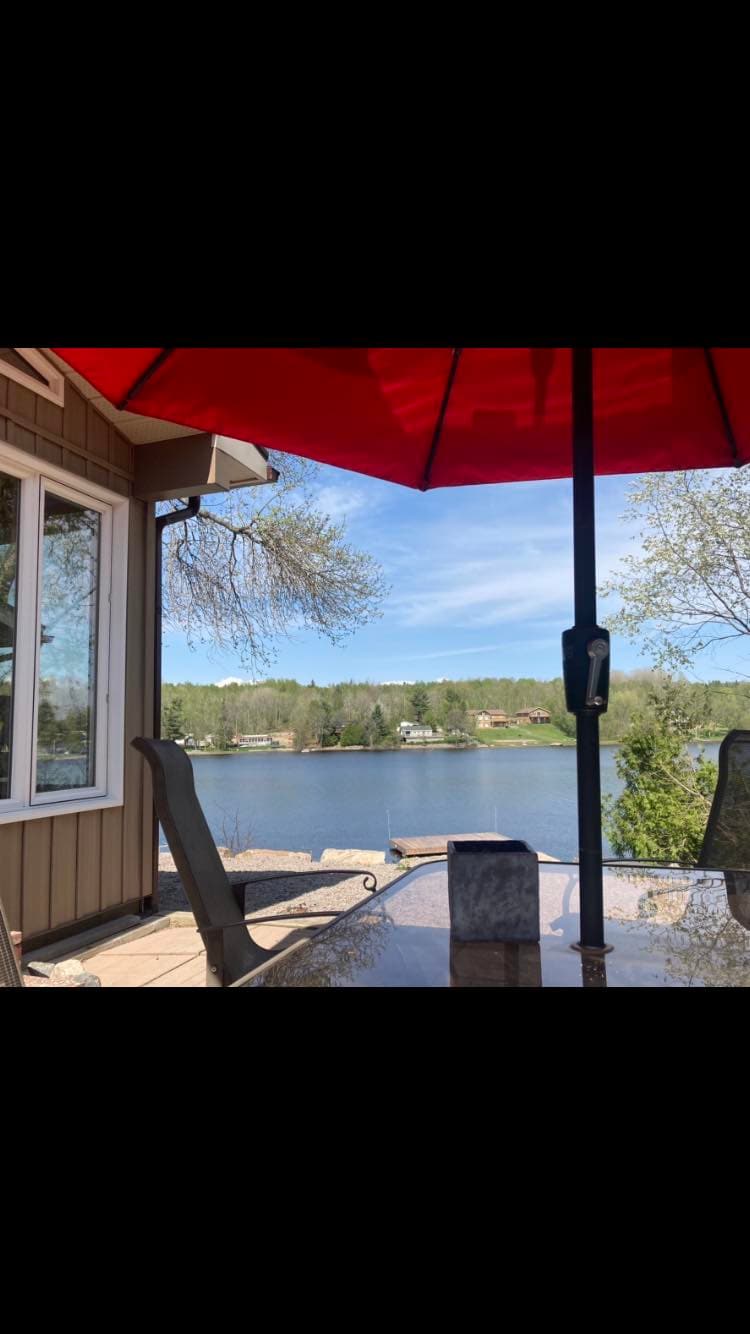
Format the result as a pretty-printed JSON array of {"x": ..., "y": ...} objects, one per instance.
[{"x": 59, "y": 871}]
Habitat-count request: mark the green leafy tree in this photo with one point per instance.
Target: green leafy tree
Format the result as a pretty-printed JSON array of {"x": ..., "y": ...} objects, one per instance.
[
  {"x": 420, "y": 703},
  {"x": 565, "y": 722},
  {"x": 661, "y": 813},
  {"x": 354, "y": 734},
  {"x": 321, "y": 723}
]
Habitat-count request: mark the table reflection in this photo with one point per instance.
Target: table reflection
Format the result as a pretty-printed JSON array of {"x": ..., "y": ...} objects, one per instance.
[
  {"x": 666, "y": 927},
  {"x": 476, "y": 963}
]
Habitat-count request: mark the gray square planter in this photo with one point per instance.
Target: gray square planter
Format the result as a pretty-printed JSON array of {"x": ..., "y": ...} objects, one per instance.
[{"x": 493, "y": 891}]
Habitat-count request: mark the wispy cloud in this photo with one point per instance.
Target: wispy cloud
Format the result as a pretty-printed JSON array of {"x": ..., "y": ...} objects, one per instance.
[
  {"x": 342, "y": 501},
  {"x": 446, "y": 653},
  {"x": 469, "y": 575}
]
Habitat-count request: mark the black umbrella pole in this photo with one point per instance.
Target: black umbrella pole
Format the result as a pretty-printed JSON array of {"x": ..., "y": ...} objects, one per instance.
[
  {"x": 590, "y": 832},
  {"x": 587, "y": 723}
]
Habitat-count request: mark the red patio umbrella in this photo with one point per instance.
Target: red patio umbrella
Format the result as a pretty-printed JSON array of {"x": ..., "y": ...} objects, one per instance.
[{"x": 430, "y": 417}]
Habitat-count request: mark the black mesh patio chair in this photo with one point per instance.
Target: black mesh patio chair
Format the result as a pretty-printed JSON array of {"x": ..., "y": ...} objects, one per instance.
[
  {"x": 726, "y": 845},
  {"x": 217, "y": 904},
  {"x": 727, "y": 839},
  {"x": 10, "y": 973}
]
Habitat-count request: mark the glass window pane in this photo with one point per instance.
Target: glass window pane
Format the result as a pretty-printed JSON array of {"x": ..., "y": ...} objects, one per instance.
[
  {"x": 10, "y": 493},
  {"x": 66, "y": 719}
]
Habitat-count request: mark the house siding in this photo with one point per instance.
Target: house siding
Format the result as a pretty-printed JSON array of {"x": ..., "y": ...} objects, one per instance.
[{"x": 61, "y": 871}]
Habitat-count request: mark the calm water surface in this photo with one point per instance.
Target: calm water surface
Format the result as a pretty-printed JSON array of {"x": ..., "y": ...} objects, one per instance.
[{"x": 359, "y": 799}]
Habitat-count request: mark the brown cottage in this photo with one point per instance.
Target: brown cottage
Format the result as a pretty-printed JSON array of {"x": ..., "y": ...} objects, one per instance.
[
  {"x": 533, "y": 716},
  {"x": 498, "y": 718},
  {"x": 78, "y": 481},
  {"x": 490, "y": 717}
]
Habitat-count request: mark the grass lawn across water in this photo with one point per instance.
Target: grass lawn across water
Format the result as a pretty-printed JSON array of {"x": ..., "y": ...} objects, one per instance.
[{"x": 536, "y": 734}]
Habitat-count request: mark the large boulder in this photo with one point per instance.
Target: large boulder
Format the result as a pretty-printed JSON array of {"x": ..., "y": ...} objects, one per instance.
[
  {"x": 67, "y": 973},
  {"x": 356, "y": 857}
]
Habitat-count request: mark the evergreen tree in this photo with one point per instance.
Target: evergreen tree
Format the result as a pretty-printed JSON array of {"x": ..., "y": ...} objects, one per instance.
[
  {"x": 224, "y": 731},
  {"x": 46, "y": 726},
  {"x": 173, "y": 724},
  {"x": 420, "y": 703},
  {"x": 378, "y": 727}
]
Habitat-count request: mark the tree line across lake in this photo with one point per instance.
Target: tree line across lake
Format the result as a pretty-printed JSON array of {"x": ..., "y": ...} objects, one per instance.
[{"x": 353, "y": 713}]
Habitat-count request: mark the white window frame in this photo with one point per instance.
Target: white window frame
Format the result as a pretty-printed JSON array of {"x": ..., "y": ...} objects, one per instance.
[
  {"x": 53, "y": 386},
  {"x": 36, "y": 478}
]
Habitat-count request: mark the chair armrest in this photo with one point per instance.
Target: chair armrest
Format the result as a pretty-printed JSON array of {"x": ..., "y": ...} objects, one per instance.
[
  {"x": 349, "y": 871},
  {"x": 238, "y": 890},
  {"x": 275, "y": 917},
  {"x": 239, "y": 887}
]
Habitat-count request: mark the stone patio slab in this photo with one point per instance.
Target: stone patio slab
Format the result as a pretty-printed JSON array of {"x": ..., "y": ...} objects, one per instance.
[
  {"x": 177, "y": 940},
  {"x": 192, "y": 973},
  {"x": 134, "y": 970}
]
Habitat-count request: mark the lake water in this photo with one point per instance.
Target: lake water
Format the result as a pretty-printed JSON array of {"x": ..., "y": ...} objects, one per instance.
[{"x": 359, "y": 799}]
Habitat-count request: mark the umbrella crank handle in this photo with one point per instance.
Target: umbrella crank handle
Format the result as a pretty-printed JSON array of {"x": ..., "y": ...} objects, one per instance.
[{"x": 598, "y": 650}]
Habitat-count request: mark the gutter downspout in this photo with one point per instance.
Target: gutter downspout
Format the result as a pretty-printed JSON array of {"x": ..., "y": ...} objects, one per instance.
[
  {"x": 162, "y": 521},
  {"x": 165, "y": 521}
]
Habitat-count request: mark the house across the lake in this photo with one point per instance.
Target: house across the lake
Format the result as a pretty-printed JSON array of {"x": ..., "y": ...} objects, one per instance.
[
  {"x": 533, "y": 716},
  {"x": 498, "y": 717},
  {"x": 415, "y": 732},
  {"x": 254, "y": 741},
  {"x": 490, "y": 717},
  {"x": 78, "y": 545}
]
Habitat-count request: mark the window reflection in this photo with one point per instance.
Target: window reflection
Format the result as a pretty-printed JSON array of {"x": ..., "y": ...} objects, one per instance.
[
  {"x": 10, "y": 490},
  {"x": 66, "y": 717}
]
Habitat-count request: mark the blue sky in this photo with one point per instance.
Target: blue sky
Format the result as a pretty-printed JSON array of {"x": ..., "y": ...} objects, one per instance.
[{"x": 481, "y": 584}]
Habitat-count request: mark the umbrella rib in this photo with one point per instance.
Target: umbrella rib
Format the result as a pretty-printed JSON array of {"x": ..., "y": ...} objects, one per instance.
[
  {"x": 144, "y": 377},
  {"x": 716, "y": 386},
  {"x": 455, "y": 358}
]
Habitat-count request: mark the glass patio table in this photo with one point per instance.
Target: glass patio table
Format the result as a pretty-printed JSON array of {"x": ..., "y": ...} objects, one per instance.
[{"x": 665, "y": 927}]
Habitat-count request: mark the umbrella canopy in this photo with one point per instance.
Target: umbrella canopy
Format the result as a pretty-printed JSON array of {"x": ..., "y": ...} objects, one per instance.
[
  {"x": 429, "y": 417},
  {"x": 434, "y": 417}
]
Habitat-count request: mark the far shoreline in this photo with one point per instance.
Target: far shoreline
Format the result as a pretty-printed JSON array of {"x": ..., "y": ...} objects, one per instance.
[{"x": 400, "y": 750}]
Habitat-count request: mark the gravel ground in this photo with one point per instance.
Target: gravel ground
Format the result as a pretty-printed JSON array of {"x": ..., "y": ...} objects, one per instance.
[{"x": 330, "y": 889}]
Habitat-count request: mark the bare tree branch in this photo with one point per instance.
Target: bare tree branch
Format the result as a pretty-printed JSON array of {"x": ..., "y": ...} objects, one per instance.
[{"x": 257, "y": 565}]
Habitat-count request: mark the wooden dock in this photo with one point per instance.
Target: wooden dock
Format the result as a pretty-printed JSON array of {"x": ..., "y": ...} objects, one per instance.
[{"x": 436, "y": 845}]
